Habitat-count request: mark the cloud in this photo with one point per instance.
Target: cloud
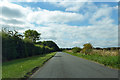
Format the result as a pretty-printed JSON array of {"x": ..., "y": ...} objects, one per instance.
[
  {"x": 102, "y": 15},
  {"x": 70, "y": 6},
  {"x": 13, "y": 15},
  {"x": 11, "y": 10},
  {"x": 53, "y": 24},
  {"x": 12, "y": 21},
  {"x": 71, "y": 36},
  {"x": 45, "y": 16},
  {"x": 75, "y": 6}
]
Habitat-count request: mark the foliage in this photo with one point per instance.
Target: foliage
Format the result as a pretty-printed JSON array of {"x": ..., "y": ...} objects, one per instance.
[
  {"x": 50, "y": 44},
  {"x": 13, "y": 44},
  {"x": 76, "y": 49},
  {"x": 18, "y": 68},
  {"x": 33, "y": 35},
  {"x": 87, "y": 48},
  {"x": 14, "y": 47}
]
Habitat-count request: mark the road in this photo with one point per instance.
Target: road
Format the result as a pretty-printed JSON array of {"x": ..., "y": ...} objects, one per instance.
[{"x": 64, "y": 65}]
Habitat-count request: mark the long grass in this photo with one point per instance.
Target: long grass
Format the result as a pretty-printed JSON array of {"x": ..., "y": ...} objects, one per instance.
[
  {"x": 107, "y": 60},
  {"x": 106, "y": 52},
  {"x": 18, "y": 68}
]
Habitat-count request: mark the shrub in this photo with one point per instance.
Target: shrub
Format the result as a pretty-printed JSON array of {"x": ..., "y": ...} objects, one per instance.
[
  {"x": 87, "y": 49},
  {"x": 76, "y": 49}
]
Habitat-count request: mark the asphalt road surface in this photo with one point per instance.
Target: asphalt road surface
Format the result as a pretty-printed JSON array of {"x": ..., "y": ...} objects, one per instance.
[{"x": 64, "y": 65}]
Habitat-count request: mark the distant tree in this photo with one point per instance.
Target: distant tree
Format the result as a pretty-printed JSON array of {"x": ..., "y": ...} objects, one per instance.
[
  {"x": 76, "y": 49},
  {"x": 87, "y": 48},
  {"x": 33, "y": 35}
]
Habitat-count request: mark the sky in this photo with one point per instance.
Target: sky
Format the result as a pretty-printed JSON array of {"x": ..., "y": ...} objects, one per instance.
[{"x": 69, "y": 24}]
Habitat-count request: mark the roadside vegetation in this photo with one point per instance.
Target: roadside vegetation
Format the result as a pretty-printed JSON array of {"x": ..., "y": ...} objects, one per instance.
[
  {"x": 23, "y": 68},
  {"x": 108, "y": 57},
  {"x": 16, "y": 46},
  {"x": 23, "y": 53}
]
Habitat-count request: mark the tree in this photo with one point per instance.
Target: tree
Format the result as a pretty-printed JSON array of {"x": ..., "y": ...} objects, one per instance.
[
  {"x": 33, "y": 35},
  {"x": 87, "y": 48}
]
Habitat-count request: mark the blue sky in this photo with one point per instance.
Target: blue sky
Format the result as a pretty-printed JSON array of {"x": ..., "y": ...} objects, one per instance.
[{"x": 69, "y": 24}]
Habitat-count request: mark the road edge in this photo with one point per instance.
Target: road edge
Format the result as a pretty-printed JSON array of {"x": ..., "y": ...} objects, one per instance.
[
  {"x": 95, "y": 62},
  {"x": 34, "y": 70}
]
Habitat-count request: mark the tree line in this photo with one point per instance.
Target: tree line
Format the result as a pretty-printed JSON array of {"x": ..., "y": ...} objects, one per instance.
[
  {"x": 88, "y": 48},
  {"x": 15, "y": 45}
]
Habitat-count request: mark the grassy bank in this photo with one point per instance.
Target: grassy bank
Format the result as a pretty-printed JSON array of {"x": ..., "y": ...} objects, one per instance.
[
  {"x": 110, "y": 61},
  {"x": 18, "y": 68}
]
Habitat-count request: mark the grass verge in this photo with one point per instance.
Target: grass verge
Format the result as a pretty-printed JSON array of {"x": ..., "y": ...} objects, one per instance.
[
  {"x": 110, "y": 61},
  {"x": 23, "y": 68}
]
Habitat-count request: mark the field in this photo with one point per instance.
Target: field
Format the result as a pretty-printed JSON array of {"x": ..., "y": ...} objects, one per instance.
[
  {"x": 108, "y": 58},
  {"x": 18, "y": 68}
]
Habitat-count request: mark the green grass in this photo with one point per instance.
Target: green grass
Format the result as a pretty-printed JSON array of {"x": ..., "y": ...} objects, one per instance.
[
  {"x": 18, "y": 68},
  {"x": 110, "y": 61}
]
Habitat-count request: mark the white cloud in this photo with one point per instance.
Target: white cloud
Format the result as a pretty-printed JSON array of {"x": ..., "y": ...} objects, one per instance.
[
  {"x": 12, "y": 21},
  {"x": 45, "y": 16},
  {"x": 101, "y": 33},
  {"x": 102, "y": 15},
  {"x": 70, "y": 36},
  {"x": 13, "y": 15}
]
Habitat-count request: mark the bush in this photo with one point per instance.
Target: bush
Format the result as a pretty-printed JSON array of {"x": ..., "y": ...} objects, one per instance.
[
  {"x": 87, "y": 49},
  {"x": 76, "y": 49}
]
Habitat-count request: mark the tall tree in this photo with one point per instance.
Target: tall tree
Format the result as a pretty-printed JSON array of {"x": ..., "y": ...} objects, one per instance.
[{"x": 33, "y": 35}]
